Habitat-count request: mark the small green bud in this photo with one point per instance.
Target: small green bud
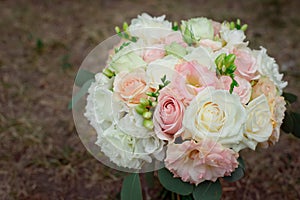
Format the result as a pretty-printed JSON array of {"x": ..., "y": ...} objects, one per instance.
[
  {"x": 117, "y": 29},
  {"x": 244, "y": 27},
  {"x": 219, "y": 61},
  {"x": 153, "y": 103},
  {"x": 148, "y": 124},
  {"x": 125, "y": 26},
  {"x": 107, "y": 72},
  {"x": 230, "y": 59},
  {"x": 140, "y": 109},
  {"x": 147, "y": 115},
  {"x": 238, "y": 22},
  {"x": 144, "y": 102},
  {"x": 232, "y": 25}
]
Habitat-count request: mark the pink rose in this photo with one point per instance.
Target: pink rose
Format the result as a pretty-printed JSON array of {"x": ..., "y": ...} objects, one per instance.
[
  {"x": 196, "y": 162},
  {"x": 246, "y": 64},
  {"x": 131, "y": 86},
  {"x": 153, "y": 53},
  {"x": 213, "y": 45},
  {"x": 175, "y": 37},
  {"x": 243, "y": 90},
  {"x": 190, "y": 79},
  {"x": 168, "y": 115}
]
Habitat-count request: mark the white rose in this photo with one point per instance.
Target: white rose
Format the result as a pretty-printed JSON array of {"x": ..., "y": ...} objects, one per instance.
[
  {"x": 232, "y": 37},
  {"x": 99, "y": 107},
  {"x": 268, "y": 67},
  {"x": 202, "y": 56},
  {"x": 197, "y": 29},
  {"x": 150, "y": 29},
  {"x": 127, "y": 151},
  {"x": 215, "y": 114},
  {"x": 132, "y": 123},
  {"x": 159, "y": 68},
  {"x": 258, "y": 127}
]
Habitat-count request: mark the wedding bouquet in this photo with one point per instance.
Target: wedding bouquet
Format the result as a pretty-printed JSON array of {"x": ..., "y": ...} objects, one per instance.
[{"x": 185, "y": 97}]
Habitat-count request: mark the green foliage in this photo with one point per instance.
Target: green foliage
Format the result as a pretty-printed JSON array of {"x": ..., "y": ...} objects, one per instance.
[
  {"x": 125, "y": 44},
  {"x": 237, "y": 25},
  {"x": 83, "y": 76},
  {"x": 125, "y": 34},
  {"x": 238, "y": 172},
  {"x": 131, "y": 188},
  {"x": 291, "y": 123},
  {"x": 225, "y": 66},
  {"x": 83, "y": 90},
  {"x": 208, "y": 190},
  {"x": 174, "y": 184},
  {"x": 291, "y": 98}
]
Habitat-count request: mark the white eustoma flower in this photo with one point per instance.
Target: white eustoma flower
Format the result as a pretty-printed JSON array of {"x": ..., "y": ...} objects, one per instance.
[
  {"x": 203, "y": 56},
  {"x": 127, "y": 59},
  {"x": 127, "y": 151},
  {"x": 215, "y": 114},
  {"x": 160, "y": 68},
  {"x": 150, "y": 29},
  {"x": 268, "y": 67},
  {"x": 197, "y": 29},
  {"x": 258, "y": 126}
]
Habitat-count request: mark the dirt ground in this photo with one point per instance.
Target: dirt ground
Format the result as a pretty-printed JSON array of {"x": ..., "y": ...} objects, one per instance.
[{"x": 42, "y": 44}]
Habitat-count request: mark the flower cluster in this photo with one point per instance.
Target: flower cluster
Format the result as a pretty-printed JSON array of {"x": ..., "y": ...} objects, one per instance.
[{"x": 191, "y": 96}]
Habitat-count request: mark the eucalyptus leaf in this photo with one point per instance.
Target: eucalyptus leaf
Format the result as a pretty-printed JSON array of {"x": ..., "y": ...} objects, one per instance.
[
  {"x": 236, "y": 175},
  {"x": 288, "y": 122},
  {"x": 289, "y": 97},
  {"x": 238, "y": 172},
  {"x": 131, "y": 188},
  {"x": 174, "y": 184},
  {"x": 83, "y": 76},
  {"x": 83, "y": 90},
  {"x": 208, "y": 190},
  {"x": 296, "y": 119}
]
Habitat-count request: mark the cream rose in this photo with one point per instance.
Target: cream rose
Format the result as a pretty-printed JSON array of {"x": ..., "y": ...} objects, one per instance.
[
  {"x": 168, "y": 115},
  {"x": 258, "y": 126},
  {"x": 215, "y": 114}
]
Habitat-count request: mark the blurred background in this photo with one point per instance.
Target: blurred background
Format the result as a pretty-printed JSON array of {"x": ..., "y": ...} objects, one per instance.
[{"x": 42, "y": 46}]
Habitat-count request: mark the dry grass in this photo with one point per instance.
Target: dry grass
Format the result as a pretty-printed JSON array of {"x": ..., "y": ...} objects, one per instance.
[{"x": 42, "y": 46}]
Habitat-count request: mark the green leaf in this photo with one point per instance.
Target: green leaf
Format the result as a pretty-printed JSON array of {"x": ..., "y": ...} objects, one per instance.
[
  {"x": 131, "y": 188},
  {"x": 208, "y": 190},
  {"x": 83, "y": 76},
  {"x": 236, "y": 175},
  {"x": 288, "y": 122},
  {"x": 289, "y": 97},
  {"x": 296, "y": 119},
  {"x": 149, "y": 176},
  {"x": 80, "y": 93},
  {"x": 174, "y": 184},
  {"x": 238, "y": 172}
]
